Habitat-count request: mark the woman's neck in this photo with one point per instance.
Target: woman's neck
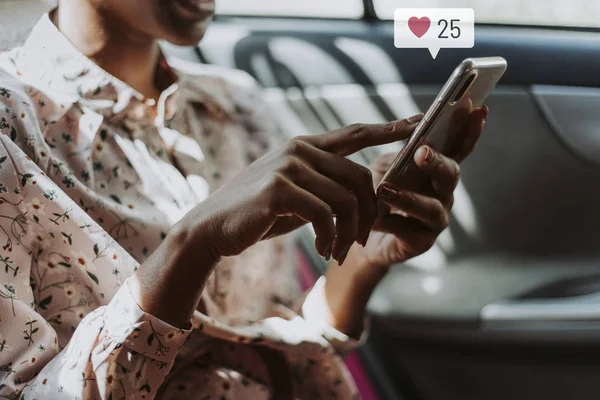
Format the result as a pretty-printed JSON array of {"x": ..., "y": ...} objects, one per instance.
[{"x": 127, "y": 55}]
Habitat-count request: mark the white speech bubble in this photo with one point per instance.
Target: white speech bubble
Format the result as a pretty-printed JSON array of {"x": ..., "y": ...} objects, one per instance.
[{"x": 434, "y": 28}]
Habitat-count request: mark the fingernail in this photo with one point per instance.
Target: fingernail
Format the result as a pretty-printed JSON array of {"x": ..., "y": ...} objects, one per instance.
[
  {"x": 428, "y": 154},
  {"x": 415, "y": 118},
  {"x": 343, "y": 256},
  {"x": 486, "y": 111},
  {"x": 387, "y": 193},
  {"x": 366, "y": 238},
  {"x": 328, "y": 252}
]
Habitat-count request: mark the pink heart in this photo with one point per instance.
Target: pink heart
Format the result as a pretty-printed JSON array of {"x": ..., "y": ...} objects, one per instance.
[{"x": 419, "y": 26}]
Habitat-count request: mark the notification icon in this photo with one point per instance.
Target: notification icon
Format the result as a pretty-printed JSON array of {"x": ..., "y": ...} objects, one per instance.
[{"x": 434, "y": 28}]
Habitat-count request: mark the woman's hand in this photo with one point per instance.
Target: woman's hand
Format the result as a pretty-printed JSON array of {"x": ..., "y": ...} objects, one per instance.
[
  {"x": 307, "y": 180},
  {"x": 410, "y": 222},
  {"x": 408, "y": 225}
]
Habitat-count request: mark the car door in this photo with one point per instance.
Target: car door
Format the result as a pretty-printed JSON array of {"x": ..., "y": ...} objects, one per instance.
[{"x": 507, "y": 303}]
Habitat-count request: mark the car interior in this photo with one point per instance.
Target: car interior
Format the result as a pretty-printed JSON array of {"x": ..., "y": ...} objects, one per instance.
[{"x": 506, "y": 305}]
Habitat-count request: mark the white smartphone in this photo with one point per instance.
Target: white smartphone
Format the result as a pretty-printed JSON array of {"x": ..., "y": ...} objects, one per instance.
[{"x": 466, "y": 89}]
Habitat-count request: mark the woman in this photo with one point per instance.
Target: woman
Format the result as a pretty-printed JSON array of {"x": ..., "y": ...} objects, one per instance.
[{"x": 142, "y": 212}]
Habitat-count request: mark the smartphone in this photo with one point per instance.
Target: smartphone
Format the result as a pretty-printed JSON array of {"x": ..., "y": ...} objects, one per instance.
[{"x": 466, "y": 89}]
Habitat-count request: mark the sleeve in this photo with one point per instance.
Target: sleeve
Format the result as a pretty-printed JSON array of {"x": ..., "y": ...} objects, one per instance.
[
  {"x": 117, "y": 352},
  {"x": 111, "y": 351},
  {"x": 315, "y": 310}
]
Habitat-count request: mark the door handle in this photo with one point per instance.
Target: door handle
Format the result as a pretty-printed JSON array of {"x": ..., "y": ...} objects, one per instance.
[{"x": 575, "y": 308}]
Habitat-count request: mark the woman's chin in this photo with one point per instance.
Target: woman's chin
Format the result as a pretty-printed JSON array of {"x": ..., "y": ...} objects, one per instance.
[{"x": 187, "y": 35}]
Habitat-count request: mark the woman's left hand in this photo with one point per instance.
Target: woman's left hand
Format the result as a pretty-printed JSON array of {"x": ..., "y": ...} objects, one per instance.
[
  {"x": 408, "y": 225},
  {"x": 411, "y": 222}
]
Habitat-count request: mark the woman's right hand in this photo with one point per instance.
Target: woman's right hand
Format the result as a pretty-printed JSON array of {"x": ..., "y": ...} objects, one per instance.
[{"x": 307, "y": 180}]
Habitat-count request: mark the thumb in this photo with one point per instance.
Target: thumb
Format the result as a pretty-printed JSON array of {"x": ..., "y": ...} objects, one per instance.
[{"x": 353, "y": 138}]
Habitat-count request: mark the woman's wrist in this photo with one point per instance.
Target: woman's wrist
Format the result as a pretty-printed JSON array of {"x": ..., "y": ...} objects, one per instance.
[
  {"x": 348, "y": 289},
  {"x": 172, "y": 279}
]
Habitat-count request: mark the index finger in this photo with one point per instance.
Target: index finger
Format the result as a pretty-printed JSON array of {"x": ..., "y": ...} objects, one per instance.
[{"x": 353, "y": 138}]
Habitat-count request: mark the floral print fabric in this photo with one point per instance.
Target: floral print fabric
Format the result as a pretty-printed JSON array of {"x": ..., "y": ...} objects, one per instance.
[{"x": 92, "y": 176}]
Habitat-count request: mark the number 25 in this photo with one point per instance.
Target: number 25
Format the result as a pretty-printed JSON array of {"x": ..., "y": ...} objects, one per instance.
[{"x": 452, "y": 28}]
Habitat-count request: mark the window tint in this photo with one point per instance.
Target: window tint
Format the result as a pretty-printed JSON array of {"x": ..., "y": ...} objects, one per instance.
[
  {"x": 578, "y": 13},
  {"x": 292, "y": 8}
]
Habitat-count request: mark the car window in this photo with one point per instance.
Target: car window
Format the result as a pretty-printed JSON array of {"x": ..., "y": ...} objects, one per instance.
[
  {"x": 292, "y": 8},
  {"x": 577, "y": 13}
]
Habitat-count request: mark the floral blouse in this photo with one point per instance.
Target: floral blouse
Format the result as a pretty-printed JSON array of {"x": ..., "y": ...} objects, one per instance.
[{"x": 92, "y": 176}]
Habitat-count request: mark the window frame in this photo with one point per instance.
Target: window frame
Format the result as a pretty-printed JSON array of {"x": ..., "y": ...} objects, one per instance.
[
  {"x": 370, "y": 15},
  {"x": 369, "y": 6}
]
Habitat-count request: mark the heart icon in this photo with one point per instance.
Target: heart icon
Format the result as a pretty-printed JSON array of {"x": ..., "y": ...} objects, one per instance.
[{"x": 419, "y": 26}]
